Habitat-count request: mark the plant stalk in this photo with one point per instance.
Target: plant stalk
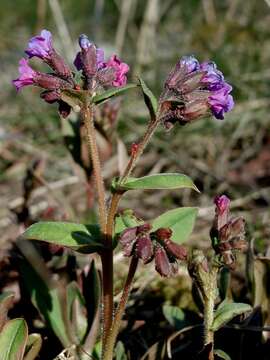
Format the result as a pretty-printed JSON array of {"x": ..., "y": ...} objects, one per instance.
[
  {"x": 88, "y": 122},
  {"x": 107, "y": 255},
  {"x": 208, "y": 321},
  {"x": 108, "y": 354}
]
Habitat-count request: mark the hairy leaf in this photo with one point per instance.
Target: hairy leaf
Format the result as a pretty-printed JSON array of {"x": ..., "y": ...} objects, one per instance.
[{"x": 227, "y": 311}]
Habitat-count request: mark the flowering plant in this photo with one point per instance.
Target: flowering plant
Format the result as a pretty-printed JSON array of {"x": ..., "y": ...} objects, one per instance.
[{"x": 191, "y": 91}]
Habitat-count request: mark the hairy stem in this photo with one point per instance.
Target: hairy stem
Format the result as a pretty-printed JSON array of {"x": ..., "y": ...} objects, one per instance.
[
  {"x": 107, "y": 255},
  {"x": 141, "y": 146},
  {"x": 108, "y": 354},
  {"x": 109, "y": 335},
  {"x": 208, "y": 321},
  {"x": 88, "y": 122}
]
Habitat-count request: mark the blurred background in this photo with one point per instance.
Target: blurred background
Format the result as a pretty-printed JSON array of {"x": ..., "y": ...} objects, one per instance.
[{"x": 230, "y": 156}]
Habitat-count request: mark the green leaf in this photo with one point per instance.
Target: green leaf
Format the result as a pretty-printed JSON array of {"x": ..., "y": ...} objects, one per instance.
[
  {"x": 76, "y": 310},
  {"x": 92, "y": 294},
  {"x": 226, "y": 312},
  {"x": 175, "y": 316},
  {"x": 222, "y": 354},
  {"x": 119, "y": 350},
  {"x": 224, "y": 283},
  {"x": 13, "y": 339},
  {"x": 125, "y": 220},
  {"x": 99, "y": 99},
  {"x": 6, "y": 301},
  {"x": 33, "y": 347},
  {"x": 149, "y": 98},
  {"x": 48, "y": 301},
  {"x": 156, "y": 182},
  {"x": 78, "y": 237},
  {"x": 180, "y": 220}
]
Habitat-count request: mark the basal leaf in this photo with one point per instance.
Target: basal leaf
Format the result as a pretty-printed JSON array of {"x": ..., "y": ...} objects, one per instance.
[
  {"x": 6, "y": 301},
  {"x": 48, "y": 302},
  {"x": 157, "y": 181},
  {"x": 76, "y": 310},
  {"x": 222, "y": 355},
  {"x": 13, "y": 339},
  {"x": 227, "y": 311},
  {"x": 149, "y": 98},
  {"x": 99, "y": 99},
  {"x": 33, "y": 347},
  {"x": 175, "y": 316},
  {"x": 180, "y": 220},
  {"x": 79, "y": 237}
]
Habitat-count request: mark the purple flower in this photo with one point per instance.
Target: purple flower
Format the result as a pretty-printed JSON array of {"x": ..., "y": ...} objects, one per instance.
[
  {"x": 40, "y": 45},
  {"x": 190, "y": 62},
  {"x": 213, "y": 79},
  {"x": 193, "y": 90},
  {"x": 121, "y": 69},
  {"x": 221, "y": 101},
  {"x": 27, "y": 75}
]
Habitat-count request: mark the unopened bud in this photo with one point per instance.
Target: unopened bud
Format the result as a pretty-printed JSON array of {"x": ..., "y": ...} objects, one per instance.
[
  {"x": 162, "y": 263},
  {"x": 144, "y": 248},
  {"x": 50, "y": 82},
  {"x": 176, "y": 250}
]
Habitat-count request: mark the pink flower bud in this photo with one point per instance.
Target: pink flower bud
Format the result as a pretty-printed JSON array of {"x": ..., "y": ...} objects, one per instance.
[{"x": 222, "y": 211}]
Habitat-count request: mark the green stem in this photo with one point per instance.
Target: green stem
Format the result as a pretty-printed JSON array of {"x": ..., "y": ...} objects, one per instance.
[
  {"x": 108, "y": 354},
  {"x": 208, "y": 321}
]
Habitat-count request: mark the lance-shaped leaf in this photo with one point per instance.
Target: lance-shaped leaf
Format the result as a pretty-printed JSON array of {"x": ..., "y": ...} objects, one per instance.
[
  {"x": 6, "y": 301},
  {"x": 157, "y": 182},
  {"x": 33, "y": 346},
  {"x": 13, "y": 339},
  {"x": 76, "y": 311},
  {"x": 181, "y": 221},
  {"x": 227, "y": 311},
  {"x": 222, "y": 355},
  {"x": 99, "y": 99},
  {"x": 149, "y": 98},
  {"x": 78, "y": 237},
  {"x": 48, "y": 300}
]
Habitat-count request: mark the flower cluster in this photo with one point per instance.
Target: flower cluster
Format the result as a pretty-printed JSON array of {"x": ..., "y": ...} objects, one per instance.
[
  {"x": 227, "y": 234},
  {"x": 140, "y": 242},
  {"x": 97, "y": 73},
  {"x": 192, "y": 90}
]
